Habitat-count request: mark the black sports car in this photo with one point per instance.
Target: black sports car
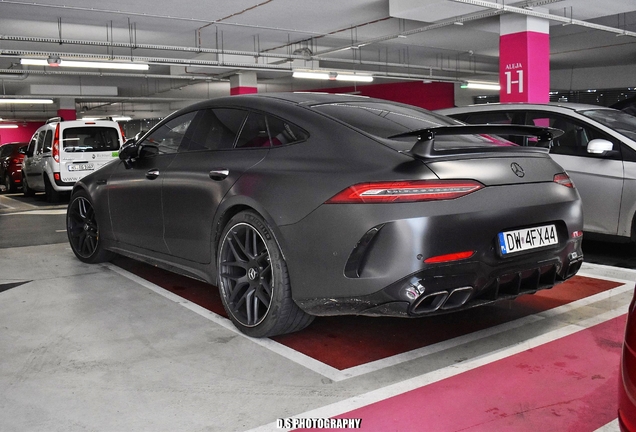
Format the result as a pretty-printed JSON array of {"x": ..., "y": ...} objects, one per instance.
[{"x": 307, "y": 204}]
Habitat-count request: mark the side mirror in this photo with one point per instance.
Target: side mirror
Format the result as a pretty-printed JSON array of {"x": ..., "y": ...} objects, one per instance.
[
  {"x": 148, "y": 150},
  {"x": 599, "y": 147},
  {"x": 129, "y": 151}
]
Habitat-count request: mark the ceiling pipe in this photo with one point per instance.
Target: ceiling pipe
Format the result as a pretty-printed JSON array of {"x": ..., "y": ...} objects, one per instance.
[
  {"x": 156, "y": 16},
  {"x": 4, "y": 72},
  {"x": 547, "y": 16}
]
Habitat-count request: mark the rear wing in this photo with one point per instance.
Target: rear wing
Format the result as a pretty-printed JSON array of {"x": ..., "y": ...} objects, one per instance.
[{"x": 425, "y": 146}]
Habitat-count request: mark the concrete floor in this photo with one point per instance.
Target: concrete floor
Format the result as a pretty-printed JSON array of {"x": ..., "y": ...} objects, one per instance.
[{"x": 100, "y": 348}]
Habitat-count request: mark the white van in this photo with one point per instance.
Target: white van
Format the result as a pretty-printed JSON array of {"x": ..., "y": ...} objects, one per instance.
[{"x": 62, "y": 152}]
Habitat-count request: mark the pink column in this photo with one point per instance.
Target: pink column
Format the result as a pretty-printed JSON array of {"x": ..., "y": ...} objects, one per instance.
[
  {"x": 66, "y": 109},
  {"x": 524, "y": 59},
  {"x": 243, "y": 83}
]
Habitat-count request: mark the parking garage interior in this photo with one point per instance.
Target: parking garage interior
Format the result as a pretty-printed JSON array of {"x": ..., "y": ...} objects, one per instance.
[{"x": 128, "y": 346}]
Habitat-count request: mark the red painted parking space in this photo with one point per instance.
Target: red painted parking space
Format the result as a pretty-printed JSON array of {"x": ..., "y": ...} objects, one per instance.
[
  {"x": 565, "y": 385},
  {"x": 345, "y": 342}
]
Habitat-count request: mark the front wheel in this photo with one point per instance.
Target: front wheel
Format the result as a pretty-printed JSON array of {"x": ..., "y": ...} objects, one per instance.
[
  {"x": 11, "y": 188},
  {"x": 254, "y": 281},
  {"x": 26, "y": 190},
  {"x": 83, "y": 230}
]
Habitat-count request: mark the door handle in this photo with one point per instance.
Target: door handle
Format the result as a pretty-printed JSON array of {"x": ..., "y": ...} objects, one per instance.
[
  {"x": 219, "y": 174},
  {"x": 152, "y": 174}
]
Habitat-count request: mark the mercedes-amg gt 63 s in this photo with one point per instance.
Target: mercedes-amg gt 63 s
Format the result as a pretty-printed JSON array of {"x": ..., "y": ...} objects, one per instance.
[{"x": 303, "y": 204}]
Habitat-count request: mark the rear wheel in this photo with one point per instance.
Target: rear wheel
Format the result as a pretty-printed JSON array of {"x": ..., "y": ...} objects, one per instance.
[
  {"x": 52, "y": 195},
  {"x": 26, "y": 190},
  {"x": 83, "y": 230},
  {"x": 253, "y": 279},
  {"x": 11, "y": 188}
]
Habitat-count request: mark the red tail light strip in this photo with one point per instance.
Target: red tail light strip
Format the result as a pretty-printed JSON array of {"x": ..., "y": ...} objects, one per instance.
[
  {"x": 405, "y": 191},
  {"x": 56, "y": 144}
]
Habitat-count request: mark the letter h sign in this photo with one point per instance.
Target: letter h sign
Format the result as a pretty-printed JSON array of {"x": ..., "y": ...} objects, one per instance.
[{"x": 518, "y": 81}]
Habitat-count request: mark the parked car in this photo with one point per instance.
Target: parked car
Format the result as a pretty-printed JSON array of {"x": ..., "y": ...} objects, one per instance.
[
  {"x": 627, "y": 386},
  {"x": 598, "y": 150},
  {"x": 298, "y": 205},
  {"x": 62, "y": 152},
  {"x": 11, "y": 156}
]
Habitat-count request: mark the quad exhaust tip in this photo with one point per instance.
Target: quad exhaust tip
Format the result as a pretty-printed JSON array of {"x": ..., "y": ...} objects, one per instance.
[{"x": 441, "y": 300}]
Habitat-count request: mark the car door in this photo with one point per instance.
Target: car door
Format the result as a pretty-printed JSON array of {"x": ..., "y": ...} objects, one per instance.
[
  {"x": 598, "y": 178},
  {"x": 35, "y": 166},
  {"x": 134, "y": 190},
  {"x": 222, "y": 144}
]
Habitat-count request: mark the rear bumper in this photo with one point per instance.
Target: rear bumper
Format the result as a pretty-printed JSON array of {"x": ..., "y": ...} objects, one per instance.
[{"x": 331, "y": 274}]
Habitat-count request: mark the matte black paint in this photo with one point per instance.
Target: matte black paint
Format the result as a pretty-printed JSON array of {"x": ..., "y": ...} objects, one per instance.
[{"x": 174, "y": 220}]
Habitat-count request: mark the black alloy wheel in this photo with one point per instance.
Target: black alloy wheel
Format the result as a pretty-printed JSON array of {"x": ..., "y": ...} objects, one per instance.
[
  {"x": 83, "y": 230},
  {"x": 253, "y": 279}
]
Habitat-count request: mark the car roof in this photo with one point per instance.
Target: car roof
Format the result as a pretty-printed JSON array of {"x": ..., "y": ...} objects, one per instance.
[{"x": 522, "y": 105}]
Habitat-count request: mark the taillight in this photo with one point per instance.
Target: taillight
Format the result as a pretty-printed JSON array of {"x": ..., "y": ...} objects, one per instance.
[
  {"x": 563, "y": 179},
  {"x": 123, "y": 135},
  {"x": 56, "y": 144},
  {"x": 405, "y": 191}
]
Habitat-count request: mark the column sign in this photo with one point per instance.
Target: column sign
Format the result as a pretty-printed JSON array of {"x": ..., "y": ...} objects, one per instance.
[
  {"x": 514, "y": 76},
  {"x": 524, "y": 67}
]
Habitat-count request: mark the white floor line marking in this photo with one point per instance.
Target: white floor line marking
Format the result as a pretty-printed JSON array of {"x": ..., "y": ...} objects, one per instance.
[
  {"x": 383, "y": 393},
  {"x": 610, "y": 427},
  {"x": 293, "y": 355},
  {"x": 340, "y": 375},
  {"x": 60, "y": 230},
  {"x": 481, "y": 334},
  {"x": 36, "y": 212},
  {"x": 605, "y": 271}
]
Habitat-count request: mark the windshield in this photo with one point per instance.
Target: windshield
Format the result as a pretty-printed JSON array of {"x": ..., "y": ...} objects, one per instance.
[
  {"x": 614, "y": 119},
  {"x": 90, "y": 138},
  {"x": 384, "y": 119}
]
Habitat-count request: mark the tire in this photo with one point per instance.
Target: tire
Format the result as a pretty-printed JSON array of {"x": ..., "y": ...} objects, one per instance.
[
  {"x": 8, "y": 183},
  {"x": 26, "y": 190},
  {"x": 82, "y": 228},
  {"x": 52, "y": 195},
  {"x": 253, "y": 279}
]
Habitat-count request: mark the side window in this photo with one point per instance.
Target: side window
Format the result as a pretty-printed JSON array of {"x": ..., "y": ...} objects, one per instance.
[
  {"x": 494, "y": 117},
  {"x": 31, "y": 147},
  {"x": 214, "y": 129},
  {"x": 168, "y": 136},
  {"x": 254, "y": 133},
  {"x": 284, "y": 133},
  {"x": 48, "y": 139},
  {"x": 576, "y": 135},
  {"x": 40, "y": 142},
  {"x": 267, "y": 131}
]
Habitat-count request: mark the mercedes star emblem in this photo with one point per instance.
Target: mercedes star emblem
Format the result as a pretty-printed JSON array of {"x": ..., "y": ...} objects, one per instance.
[{"x": 516, "y": 168}]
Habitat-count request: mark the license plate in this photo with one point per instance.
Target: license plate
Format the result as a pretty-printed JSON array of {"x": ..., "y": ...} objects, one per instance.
[
  {"x": 81, "y": 167},
  {"x": 527, "y": 238}
]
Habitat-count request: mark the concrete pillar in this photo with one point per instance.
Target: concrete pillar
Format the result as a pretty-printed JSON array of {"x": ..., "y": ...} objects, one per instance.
[
  {"x": 66, "y": 109},
  {"x": 243, "y": 83},
  {"x": 524, "y": 59}
]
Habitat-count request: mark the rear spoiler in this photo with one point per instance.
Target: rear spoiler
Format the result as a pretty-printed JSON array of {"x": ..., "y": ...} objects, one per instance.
[{"x": 425, "y": 145}]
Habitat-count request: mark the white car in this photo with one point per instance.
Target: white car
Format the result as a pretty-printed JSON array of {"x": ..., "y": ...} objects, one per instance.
[
  {"x": 598, "y": 150},
  {"x": 62, "y": 152}
]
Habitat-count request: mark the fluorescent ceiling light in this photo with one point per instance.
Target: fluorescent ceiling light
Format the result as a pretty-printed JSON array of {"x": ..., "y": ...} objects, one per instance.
[
  {"x": 121, "y": 118},
  {"x": 334, "y": 76},
  {"x": 113, "y": 118},
  {"x": 26, "y": 101},
  {"x": 481, "y": 86},
  {"x": 8, "y": 126},
  {"x": 311, "y": 75},
  {"x": 84, "y": 64}
]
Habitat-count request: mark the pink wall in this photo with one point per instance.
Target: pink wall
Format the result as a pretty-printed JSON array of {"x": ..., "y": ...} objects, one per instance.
[
  {"x": 425, "y": 95},
  {"x": 243, "y": 90},
  {"x": 23, "y": 133}
]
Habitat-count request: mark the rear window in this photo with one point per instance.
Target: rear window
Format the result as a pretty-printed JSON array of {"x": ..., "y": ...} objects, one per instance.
[
  {"x": 383, "y": 119},
  {"x": 90, "y": 139}
]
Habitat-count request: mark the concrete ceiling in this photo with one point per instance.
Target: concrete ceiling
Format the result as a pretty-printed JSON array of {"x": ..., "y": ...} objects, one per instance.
[{"x": 194, "y": 47}]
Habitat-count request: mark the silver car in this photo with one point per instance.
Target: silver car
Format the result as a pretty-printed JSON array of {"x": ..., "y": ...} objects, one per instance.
[{"x": 598, "y": 150}]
